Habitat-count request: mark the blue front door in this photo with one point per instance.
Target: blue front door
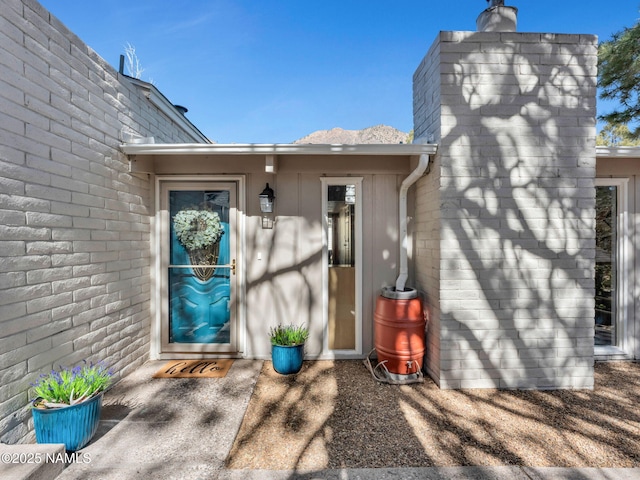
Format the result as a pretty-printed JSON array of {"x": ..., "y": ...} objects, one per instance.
[{"x": 200, "y": 267}]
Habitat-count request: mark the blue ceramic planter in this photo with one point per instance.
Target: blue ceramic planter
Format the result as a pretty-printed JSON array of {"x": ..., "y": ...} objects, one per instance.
[
  {"x": 74, "y": 426},
  {"x": 286, "y": 359}
]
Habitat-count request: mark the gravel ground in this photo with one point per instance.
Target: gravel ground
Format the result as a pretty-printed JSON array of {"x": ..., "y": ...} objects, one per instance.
[{"x": 334, "y": 415}]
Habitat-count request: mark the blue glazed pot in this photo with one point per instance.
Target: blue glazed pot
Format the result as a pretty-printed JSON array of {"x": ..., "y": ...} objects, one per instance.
[
  {"x": 287, "y": 359},
  {"x": 74, "y": 426}
]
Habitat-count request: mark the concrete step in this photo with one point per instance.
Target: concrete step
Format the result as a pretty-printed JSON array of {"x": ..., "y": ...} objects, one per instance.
[{"x": 32, "y": 461}]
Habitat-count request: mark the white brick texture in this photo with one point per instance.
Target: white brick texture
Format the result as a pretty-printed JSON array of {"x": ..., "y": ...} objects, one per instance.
[
  {"x": 74, "y": 225},
  {"x": 505, "y": 235}
]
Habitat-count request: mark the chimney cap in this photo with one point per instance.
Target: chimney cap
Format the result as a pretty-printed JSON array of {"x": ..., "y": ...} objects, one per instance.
[{"x": 497, "y": 18}]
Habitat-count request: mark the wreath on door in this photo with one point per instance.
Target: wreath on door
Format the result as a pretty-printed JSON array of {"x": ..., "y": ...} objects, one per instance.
[{"x": 199, "y": 232}]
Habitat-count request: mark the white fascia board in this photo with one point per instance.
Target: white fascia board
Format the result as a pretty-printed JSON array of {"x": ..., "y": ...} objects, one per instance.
[
  {"x": 277, "y": 149},
  {"x": 169, "y": 110},
  {"x": 165, "y": 106},
  {"x": 619, "y": 152}
]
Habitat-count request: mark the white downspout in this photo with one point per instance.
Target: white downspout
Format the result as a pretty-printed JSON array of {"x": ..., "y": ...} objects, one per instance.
[{"x": 413, "y": 177}]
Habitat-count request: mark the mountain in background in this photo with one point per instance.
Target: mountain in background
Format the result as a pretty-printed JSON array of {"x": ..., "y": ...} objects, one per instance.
[{"x": 376, "y": 134}]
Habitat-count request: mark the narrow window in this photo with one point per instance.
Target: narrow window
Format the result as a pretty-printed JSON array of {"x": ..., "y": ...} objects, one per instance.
[
  {"x": 606, "y": 274},
  {"x": 343, "y": 264},
  {"x": 611, "y": 275}
]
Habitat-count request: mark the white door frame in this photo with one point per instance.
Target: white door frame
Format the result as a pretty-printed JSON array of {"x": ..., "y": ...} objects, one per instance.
[
  {"x": 623, "y": 262},
  {"x": 357, "y": 352},
  {"x": 159, "y": 293}
]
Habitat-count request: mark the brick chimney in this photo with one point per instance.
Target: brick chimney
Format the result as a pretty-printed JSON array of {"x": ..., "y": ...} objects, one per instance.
[{"x": 504, "y": 233}]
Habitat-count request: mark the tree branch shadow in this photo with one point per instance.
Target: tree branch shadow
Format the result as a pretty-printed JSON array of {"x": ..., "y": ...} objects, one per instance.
[{"x": 370, "y": 425}]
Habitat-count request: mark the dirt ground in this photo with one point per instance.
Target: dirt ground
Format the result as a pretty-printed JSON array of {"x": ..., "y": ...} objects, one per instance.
[{"x": 333, "y": 414}]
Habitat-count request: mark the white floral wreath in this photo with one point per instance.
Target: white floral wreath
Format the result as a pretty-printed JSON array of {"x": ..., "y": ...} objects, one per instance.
[{"x": 197, "y": 229}]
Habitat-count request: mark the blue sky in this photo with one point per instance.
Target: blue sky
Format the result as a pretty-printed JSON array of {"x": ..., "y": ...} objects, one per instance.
[{"x": 272, "y": 71}]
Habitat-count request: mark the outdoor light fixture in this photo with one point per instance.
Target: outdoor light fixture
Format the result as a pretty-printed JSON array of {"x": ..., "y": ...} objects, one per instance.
[{"x": 266, "y": 200}]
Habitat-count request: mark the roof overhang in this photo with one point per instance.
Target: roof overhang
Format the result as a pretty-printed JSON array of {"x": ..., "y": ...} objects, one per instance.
[
  {"x": 163, "y": 104},
  {"x": 617, "y": 152},
  {"x": 277, "y": 149},
  {"x": 142, "y": 156}
]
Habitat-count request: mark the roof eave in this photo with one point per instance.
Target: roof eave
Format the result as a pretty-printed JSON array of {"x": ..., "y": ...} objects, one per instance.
[
  {"x": 619, "y": 152},
  {"x": 278, "y": 149},
  {"x": 157, "y": 98}
]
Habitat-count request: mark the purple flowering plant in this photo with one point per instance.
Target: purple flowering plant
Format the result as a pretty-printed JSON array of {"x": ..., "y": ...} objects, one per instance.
[{"x": 64, "y": 387}]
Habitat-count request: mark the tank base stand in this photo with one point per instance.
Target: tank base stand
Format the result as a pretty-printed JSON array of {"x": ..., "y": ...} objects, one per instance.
[{"x": 381, "y": 374}]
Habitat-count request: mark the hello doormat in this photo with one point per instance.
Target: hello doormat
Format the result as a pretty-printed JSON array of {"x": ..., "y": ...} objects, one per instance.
[{"x": 195, "y": 369}]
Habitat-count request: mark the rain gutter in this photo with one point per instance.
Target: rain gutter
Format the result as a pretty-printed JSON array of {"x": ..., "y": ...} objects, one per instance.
[{"x": 413, "y": 177}]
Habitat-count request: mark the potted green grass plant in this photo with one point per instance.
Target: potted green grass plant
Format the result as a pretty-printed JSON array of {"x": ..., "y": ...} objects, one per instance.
[
  {"x": 67, "y": 404},
  {"x": 287, "y": 347}
]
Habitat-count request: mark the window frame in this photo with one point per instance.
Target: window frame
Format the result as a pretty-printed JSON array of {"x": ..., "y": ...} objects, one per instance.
[
  {"x": 623, "y": 296},
  {"x": 357, "y": 351}
]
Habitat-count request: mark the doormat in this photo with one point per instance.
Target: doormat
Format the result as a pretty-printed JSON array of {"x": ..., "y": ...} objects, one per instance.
[{"x": 195, "y": 369}]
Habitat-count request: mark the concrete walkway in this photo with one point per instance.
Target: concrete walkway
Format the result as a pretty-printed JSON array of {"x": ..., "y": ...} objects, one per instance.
[{"x": 183, "y": 429}]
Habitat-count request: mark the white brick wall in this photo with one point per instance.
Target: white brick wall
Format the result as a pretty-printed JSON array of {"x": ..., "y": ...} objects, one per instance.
[
  {"x": 505, "y": 236},
  {"x": 74, "y": 225}
]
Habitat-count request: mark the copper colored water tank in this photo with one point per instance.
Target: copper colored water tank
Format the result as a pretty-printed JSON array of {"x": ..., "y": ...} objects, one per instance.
[{"x": 398, "y": 330}]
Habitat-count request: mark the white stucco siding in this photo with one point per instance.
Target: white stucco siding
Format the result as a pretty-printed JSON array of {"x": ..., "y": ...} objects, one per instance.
[{"x": 286, "y": 285}]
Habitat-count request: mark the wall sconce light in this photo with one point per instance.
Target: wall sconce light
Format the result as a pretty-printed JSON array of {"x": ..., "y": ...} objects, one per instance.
[{"x": 266, "y": 199}]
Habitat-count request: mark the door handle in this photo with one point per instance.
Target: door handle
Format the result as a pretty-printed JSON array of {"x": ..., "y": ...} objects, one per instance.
[{"x": 231, "y": 266}]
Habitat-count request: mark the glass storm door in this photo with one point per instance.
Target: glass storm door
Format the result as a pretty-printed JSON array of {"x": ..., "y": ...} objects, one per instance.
[
  {"x": 612, "y": 293},
  {"x": 199, "y": 267},
  {"x": 606, "y": 262},
  {"x": 342, "y": 265}
]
